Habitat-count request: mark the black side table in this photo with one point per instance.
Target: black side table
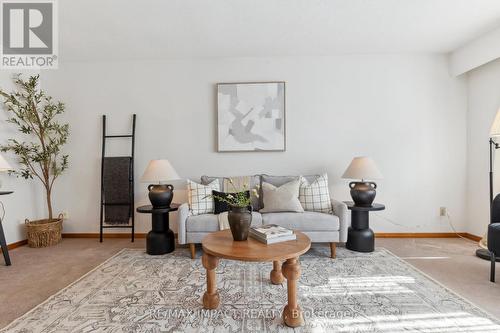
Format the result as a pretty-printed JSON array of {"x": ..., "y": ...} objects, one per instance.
[
  {"x": 3, "y": 242},
  {"x": 160, "y": 239},
  {"x": 359, "y": 236}
]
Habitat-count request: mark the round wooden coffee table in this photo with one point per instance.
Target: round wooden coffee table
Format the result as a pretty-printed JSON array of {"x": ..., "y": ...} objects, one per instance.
[{"x": 220, "y": 245}]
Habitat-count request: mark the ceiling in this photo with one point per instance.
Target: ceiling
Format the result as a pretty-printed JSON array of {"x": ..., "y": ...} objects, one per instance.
[{"x": 157, "y": 29}]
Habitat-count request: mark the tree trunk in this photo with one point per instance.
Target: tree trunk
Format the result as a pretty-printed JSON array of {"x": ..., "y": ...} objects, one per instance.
[{"x": 49, "y": 203}]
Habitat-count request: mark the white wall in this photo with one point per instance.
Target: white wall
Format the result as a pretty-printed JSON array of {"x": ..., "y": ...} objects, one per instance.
[
  {"x": 476, "y": 53},
  {"x": 484, "y": 102},
  {"x": 27, "y": 201},
  {"x": 404, "y": 111}
]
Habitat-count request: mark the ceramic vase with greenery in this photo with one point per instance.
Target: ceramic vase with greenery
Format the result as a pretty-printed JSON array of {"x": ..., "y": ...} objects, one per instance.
[
  {"x": 239, "y": 215},
  {"x": 34, "y": 115}
]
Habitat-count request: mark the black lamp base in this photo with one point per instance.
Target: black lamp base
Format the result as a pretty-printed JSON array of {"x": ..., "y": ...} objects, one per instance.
[
  {"x": 485, "y": 254},
  {"x": 161, "y": 195},
  {"x": 363, "y": 193}
]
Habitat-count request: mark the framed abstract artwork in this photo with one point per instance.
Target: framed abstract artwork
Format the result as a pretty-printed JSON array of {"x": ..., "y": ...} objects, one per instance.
[{"x": 251, "y": 117}]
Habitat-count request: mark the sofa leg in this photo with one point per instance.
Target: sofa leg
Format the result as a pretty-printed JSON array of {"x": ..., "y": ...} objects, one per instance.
[
  {"x": 492, "y": 271},
  {"x": 192, "y": 249},
  {"x": 333, "y": 250}
]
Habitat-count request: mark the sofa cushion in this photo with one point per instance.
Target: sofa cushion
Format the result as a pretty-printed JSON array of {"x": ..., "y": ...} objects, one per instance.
[
  {"x": 254, "y": 184},
  {"x": 306, "y": 221},
  {"x": 210, "y": 222}
]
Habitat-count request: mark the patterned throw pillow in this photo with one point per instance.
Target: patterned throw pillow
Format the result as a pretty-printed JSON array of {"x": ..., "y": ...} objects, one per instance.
[
  {"x": 315, "y": 196},
  {"x": 198, "y": 197}
]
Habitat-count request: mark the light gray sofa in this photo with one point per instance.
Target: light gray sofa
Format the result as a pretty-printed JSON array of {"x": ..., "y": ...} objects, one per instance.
[{"x": 319, "y": 227}]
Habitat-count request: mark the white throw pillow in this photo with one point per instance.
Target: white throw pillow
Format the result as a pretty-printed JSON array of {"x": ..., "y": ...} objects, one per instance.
[
  {"x": 198, "y": 197},
  {"x": 281, "y": 199},
  {"x": 315, "y": 197}
]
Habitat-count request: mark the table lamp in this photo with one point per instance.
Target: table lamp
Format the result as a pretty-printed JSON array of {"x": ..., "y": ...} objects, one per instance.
[
  {"x": 4, "y": 166},
  {"x": 362, "y": 192},
  {"x": 158, "y": 171}
]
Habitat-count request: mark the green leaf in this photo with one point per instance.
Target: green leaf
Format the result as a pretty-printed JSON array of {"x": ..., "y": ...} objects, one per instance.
[{"x": 34, "y": 114}]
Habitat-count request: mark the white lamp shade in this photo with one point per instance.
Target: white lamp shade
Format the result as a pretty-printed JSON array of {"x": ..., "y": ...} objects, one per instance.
[
  {"x": 363, "y": 168},
  {"x": 159, "y": 171},
  {"x": 495, "y": 128},
  {"x": 4, "y": 165}
]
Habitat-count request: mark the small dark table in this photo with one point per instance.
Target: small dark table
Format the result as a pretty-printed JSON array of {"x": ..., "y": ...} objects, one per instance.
[
  {"x": 160, "y": 239},
  {"x": 3, "y": 242},
  {"x": 360, "y": 237}
]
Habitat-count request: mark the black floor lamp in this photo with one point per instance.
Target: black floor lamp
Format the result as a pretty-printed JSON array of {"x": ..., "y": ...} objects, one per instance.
[{"x": 484, "y": 253}]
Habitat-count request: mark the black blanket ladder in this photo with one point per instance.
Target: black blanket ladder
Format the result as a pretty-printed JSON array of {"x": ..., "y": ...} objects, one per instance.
[{"x": 117, "y": 186}]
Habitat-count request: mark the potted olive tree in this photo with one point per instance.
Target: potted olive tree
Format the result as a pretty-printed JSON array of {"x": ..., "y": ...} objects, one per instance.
[{"x": 34, "y": 115}]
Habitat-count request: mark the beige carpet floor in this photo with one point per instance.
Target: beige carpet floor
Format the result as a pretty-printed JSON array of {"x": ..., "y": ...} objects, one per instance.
[{"x": 38, "y": 273}]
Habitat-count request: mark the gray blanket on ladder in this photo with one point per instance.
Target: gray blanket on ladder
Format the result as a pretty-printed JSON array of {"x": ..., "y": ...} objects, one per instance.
[{"x": 116, "y": 187}]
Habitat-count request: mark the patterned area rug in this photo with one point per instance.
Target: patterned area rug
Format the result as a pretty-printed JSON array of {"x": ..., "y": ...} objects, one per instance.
[{"x": 134, "y": 292}]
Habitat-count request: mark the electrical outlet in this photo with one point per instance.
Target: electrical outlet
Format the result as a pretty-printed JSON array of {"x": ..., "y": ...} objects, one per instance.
[
  {"x": 443, "y": 211},
  {"x": 65, "y": 215}
]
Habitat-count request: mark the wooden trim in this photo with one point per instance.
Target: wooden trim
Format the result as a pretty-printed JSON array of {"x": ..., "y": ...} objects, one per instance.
[
  {"x": 472, "y": 237},
  {"x": 425, "y": 235},
  {"x": 105, "y": 235},
  {"x": 378, "y": 235},
  {"x": 416, "y": 235},
  {"x": 12, "y": 246},
  {"x": 467, "y": 235}
]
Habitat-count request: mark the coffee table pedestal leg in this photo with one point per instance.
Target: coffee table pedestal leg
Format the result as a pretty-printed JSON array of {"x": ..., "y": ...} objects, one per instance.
[
  {"x": 276, "y": 275},
  {"x": 292, "y": 314},
  {"x": 211, "y": 297}
]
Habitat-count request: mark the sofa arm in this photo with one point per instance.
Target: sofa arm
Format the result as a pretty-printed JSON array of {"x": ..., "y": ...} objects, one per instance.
[
  {"x": 182, "y": 215},
  {"x": 340, "y": 209}
]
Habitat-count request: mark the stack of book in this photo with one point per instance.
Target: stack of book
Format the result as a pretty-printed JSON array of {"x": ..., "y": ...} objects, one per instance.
[{"x": 272, "y": 233}]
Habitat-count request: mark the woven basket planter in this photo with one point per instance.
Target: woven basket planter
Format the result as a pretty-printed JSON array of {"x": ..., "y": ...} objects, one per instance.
[{"x": 43, "y": 233}]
